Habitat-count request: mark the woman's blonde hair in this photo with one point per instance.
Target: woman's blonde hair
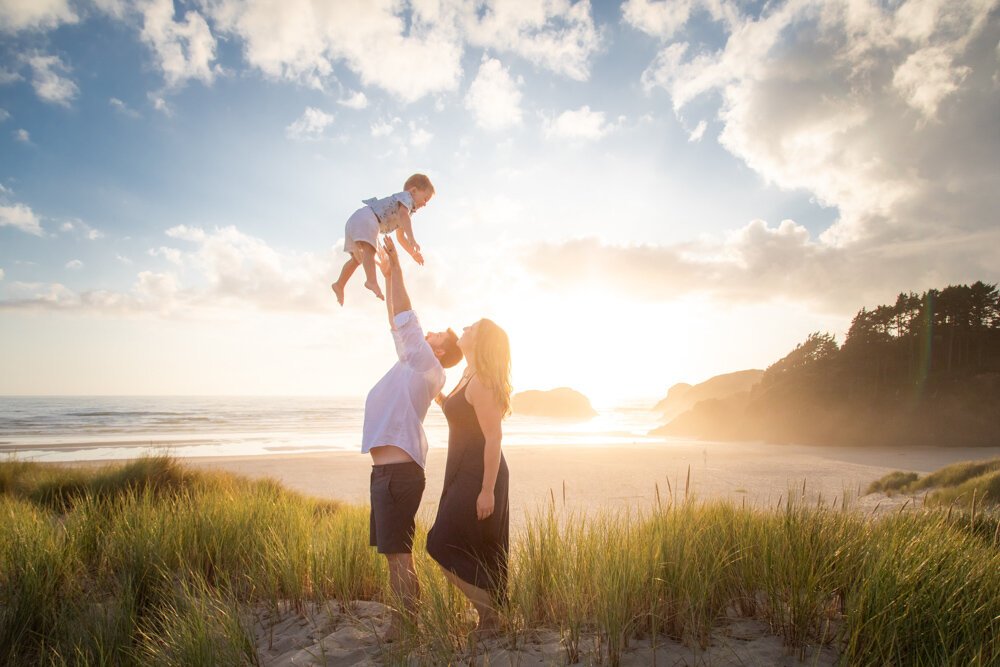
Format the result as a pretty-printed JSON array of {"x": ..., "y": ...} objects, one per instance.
[{"x": 491, "y": 361}]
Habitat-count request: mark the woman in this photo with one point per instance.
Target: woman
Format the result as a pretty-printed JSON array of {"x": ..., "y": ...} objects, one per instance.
[{"x": 469, "y": 538}]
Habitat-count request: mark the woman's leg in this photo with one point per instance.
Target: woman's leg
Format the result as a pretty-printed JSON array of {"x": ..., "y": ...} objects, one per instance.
[{"x": 480, "y": 599}]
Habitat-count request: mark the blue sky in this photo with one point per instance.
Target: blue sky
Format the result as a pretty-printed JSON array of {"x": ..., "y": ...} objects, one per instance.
[{"x": 641, "y": 193}]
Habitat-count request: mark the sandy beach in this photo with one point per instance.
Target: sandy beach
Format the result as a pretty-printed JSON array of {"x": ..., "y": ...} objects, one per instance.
[{"x": 619, "y": 477}]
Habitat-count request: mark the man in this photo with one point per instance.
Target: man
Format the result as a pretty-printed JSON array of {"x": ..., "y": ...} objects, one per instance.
[{"x": 394, "y": 434}]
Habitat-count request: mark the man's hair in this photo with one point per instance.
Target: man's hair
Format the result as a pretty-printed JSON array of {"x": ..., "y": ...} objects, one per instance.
[
  {"x": 420, "y": 182},
  {"x": 452, "y": 353}
]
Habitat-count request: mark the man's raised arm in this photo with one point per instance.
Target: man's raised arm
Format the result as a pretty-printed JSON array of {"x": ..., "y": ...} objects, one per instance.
[{"x": 400, "y": 301}]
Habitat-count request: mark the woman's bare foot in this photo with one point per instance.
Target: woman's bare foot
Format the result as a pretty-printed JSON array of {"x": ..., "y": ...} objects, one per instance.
[
  {"x": 338, "y": 289},
  {"x": 373, "y": 286}
]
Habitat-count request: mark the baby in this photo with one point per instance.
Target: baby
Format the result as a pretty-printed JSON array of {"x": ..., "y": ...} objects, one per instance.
[{"x": 381, "y": 216}]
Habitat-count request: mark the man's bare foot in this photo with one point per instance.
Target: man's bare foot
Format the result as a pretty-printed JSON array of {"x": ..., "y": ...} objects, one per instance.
[
  {"x": 373, "y": 286},
  {"x": 338, "y": 289}
]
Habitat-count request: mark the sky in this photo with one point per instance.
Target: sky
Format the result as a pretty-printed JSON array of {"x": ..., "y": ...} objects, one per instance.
[{"x": 640, "y": 193}]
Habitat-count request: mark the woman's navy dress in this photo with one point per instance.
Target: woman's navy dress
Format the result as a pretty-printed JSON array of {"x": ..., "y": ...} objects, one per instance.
[{"x": 474, "y": 550}]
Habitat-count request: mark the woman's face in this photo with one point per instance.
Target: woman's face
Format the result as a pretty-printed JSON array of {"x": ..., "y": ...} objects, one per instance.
[{"x": 468, "y": 338}]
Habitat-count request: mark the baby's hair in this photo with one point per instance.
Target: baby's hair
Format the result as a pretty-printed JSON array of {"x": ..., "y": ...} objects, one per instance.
[{"x": 420, "y": 182}]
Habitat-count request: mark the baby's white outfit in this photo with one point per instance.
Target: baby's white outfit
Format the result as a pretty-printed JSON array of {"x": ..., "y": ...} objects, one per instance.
[{"x": 377, "y": 216}]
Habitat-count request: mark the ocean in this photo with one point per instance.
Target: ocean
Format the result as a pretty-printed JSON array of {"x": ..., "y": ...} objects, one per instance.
[{"x": 77, "y": 428}]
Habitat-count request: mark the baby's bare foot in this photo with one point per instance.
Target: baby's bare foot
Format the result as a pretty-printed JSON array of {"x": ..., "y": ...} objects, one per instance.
[
  {"x": 373, "y": 286},
  {"x": 338, "y": 289}
]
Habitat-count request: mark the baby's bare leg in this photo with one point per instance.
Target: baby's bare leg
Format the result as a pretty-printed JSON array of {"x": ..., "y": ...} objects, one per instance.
[
  {"x": 345, "y": 274},
  {"x": 368, "y": 263}
]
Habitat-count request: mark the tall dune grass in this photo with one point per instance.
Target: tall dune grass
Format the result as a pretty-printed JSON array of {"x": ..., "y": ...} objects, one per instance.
[{"x": 152, "y": 563}]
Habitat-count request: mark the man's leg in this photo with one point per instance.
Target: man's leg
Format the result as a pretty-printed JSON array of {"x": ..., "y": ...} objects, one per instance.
[{"x": 405, "y": 589}]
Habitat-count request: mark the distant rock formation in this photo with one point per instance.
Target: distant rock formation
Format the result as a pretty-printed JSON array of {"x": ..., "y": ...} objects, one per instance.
[
  {"x": 562, "y": 402},
  {"x": 682, "y": 397}
]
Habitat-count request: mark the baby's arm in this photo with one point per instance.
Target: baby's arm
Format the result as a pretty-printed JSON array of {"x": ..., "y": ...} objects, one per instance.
[{"x": 405, "y": 237}]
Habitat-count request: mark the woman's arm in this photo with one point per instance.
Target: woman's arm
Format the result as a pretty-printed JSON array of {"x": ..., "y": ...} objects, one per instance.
[{"x": 489, "y": 415}]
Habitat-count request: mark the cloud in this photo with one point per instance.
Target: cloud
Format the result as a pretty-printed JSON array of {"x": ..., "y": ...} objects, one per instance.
[
  {"x": 579, "y": 124},
  {"x": 122, "y": 108},
  {"x": 123, "y": 259},
  {"x": 406, "y": 55},
  {"x": 17, "y": 15},
  {"x": 407, "y": 49},
  {"x": 74, "y": 264},
  {"x": 493, "y": 97},
  {"x": 355, "y": 100},
  {"x": 698, "y": 132},
  {"x": 81, "y": 229},
  {"x": 228, "y": 269},
  {"x": 419, "y": 137},
  {"x": 880, "y": 110},
  {"x": 1, "y": 274},
  {"x": 310, "y": 126},
  {"x": 172, "y": 255},
  {"x": 21, "y": 217},
  {"x": 756, "y": 264},
  {"x": 184, "y": 49},
  {"x": 47, "y": 79},
  {"x": 385, "y": 126},
  {"x": 557, "y": 35},
  {"x": 22, "y": 135},
  {"x": 4, "y": 115}
]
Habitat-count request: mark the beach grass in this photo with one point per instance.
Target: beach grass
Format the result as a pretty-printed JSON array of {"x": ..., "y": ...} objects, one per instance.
[
  {"x": 968, "y": 484},
  {"x": 154, "y": 563}
]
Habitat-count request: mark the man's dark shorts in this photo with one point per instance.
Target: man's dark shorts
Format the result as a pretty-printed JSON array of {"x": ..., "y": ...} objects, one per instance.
[{"x": 396, "y": 489}]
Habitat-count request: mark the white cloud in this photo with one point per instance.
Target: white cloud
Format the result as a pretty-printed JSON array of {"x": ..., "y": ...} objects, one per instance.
[
  {"x": 880, "y": 110},
  {"x": 74, "y": 264},
  {"x": 355, "y": 100},
  {"x": 81, "y": 229},
  {"x": 1, "y": 274},
  {"x": 384, "y": 127},
  {"x": 160, "y": 104},
  {"x": 927, "y": 77},
  {"x": 698, "y": 132},
  {"x": 21, "y": 217},
  {"x": 301, "y": 39},
  {"x": 4, "y": 115},
  {"x": 7, "y": 76},
  {"x": 184, "y": 49},
  {"x": 310, "y": 126},
  {"x": 493, "y": 97},
  {"x": 17, "y": 15},
  {"x": 419, "y": 137},
  {"x": 172, "y": 255},
  {"x": 47, "y": 79},
  {"x": 662, "y": 19},
  {"x": 122, "y": 108},
  {"x": 123, "y": 259},
  {"x": 22, "y": 135},
  {"x": 229, "y": 270},
  {"x": 558, "y": 35},
  {"x": 581, "y": 123}
]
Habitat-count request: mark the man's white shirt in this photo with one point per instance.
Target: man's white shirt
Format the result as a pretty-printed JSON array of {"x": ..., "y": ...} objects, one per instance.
[{"x": 397, "y": 404}]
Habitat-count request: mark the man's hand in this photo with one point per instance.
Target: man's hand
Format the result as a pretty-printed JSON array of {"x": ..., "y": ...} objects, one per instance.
[
  {"x": 383, "y": 262},
  {"x": 389, "y": 250}
]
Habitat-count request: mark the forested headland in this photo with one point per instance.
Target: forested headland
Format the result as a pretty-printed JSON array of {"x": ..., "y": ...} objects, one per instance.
[{"x": 923, "y": 370}]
